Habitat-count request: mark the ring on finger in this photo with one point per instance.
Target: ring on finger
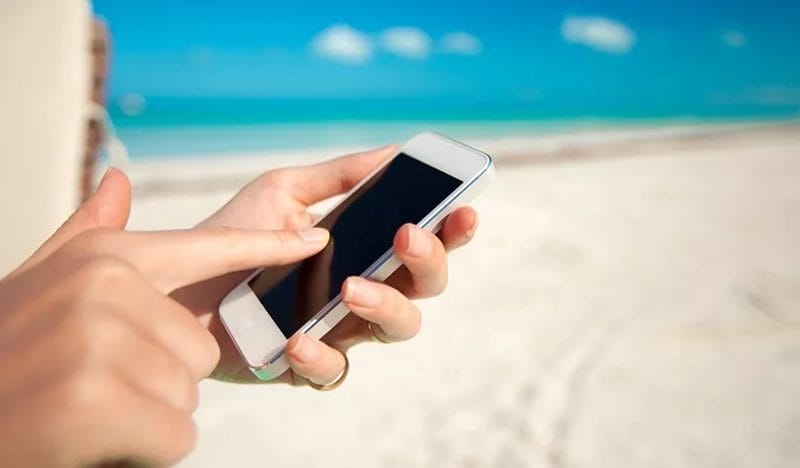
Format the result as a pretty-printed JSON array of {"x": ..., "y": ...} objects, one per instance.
[
  {"x": 337, "y": 381},
  {"x": 374, "y": 334}
]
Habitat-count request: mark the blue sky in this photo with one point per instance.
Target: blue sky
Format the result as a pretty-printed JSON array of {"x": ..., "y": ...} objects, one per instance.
[{"x": 558, "y": 53}]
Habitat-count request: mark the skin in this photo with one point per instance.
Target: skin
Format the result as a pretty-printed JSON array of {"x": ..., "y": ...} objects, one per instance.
[
  {"x": 282, "y": 198},
  {"x": 98, "y": 362},
  {"x": 105, "y": 333}
]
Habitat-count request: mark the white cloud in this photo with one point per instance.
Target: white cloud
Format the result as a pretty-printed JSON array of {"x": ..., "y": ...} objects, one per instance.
[
  {"x": 603, "y": 34},
  {"x": 460, "y": 43},
  {"x": 735, "y": 39},
  {"x": 343, "y": 43},
  {"x": 406, "y": 41}
]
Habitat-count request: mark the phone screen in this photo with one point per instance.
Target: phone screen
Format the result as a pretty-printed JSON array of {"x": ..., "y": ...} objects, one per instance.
[{"x": 362, "y": 228}]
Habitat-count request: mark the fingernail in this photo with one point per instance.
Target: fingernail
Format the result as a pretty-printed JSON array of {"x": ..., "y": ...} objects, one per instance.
[
  {"x": 362, "y": 293},
  {"x": 304, "y": 351},
  {"x": 314, "y": 235},
  {"x": 474, "y": 228},
  {"x": 418, "y": 243}
]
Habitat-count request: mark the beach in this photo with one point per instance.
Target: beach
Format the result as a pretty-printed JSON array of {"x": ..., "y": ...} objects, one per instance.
[{"x": 632, "y": 298}]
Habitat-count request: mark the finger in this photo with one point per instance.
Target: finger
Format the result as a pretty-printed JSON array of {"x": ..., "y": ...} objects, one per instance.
[
  {"x": 172, "y": 259},
  {"x": 394, "y": 316},
  {"x": 316, "y": 182},
  {"x": 145, "y": 431},
  {"x": 425, "y": 263},
  {"x": 314, "y": 360},
  {"x": 175, "y": 329},
  {"x": 109, "y": 208},
  {"x": 459, "y": 228},
  {"x": 156, "y": 372}
]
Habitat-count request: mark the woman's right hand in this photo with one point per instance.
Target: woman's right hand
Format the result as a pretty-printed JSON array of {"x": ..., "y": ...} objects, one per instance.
[{"x": 97, "y": 363}]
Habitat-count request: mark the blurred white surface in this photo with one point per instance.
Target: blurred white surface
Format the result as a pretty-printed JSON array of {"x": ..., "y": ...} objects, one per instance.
[
  {"x": 636, "y": 306},
  {"x": 44, "y": 94}
]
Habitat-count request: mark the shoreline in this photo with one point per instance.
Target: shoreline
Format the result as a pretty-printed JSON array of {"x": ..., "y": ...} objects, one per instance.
[
  {"x": 223, "y": 172},
  {"x": 154, "y": 140}
]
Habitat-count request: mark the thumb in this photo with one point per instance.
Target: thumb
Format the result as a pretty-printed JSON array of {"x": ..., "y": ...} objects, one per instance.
[{"x": 109, "y": 208}]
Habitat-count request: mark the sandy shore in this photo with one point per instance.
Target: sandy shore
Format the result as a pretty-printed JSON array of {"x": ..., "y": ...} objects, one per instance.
[{"x": 632, "y": 299}]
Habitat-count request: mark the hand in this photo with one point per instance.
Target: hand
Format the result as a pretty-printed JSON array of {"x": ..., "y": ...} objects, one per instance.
[
  {"x": 280, "y": 199},
  {"x": 97, "y": 363}
]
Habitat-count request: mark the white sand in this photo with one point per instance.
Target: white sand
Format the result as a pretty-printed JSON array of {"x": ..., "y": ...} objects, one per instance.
[{"x": 630, "y": 300}]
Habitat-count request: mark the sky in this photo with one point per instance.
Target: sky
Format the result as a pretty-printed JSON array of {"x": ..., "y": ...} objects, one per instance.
[{"x": 677, "y": 54}]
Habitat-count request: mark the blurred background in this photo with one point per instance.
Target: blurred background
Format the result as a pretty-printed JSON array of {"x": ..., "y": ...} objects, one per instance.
[
  {"x": 213, "y": 76},
  {"x": 632, "y": 296}
]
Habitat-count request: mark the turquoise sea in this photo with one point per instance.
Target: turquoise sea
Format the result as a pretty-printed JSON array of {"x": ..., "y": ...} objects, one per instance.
[{"x": 182, "y": 126}]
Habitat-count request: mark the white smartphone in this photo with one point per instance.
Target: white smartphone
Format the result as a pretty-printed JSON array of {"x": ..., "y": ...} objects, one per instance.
[{"x": 428, "y": 178}]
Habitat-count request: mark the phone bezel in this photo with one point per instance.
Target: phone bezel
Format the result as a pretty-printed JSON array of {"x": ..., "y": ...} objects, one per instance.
[{"x": 241, "y": 312}]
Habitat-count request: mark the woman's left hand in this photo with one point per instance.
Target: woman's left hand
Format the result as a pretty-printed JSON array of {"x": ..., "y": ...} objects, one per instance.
[{"x": 280, "y": 199}]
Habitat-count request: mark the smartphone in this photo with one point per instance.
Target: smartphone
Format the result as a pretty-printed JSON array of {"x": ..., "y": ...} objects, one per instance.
[{"x": 428, "y": 178}]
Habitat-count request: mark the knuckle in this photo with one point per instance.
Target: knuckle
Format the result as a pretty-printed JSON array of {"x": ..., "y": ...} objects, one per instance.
[
  {"x": 95, "y": 336},
  {"x": 439, "y": 261},
  {"x": 205, "y": 351},
  {"x": 392, "y": 302},
  {"x": 431, "y": 285},
  {"x": 268, "y": 185},
  {"x": 276, "y": 177},
  {"x": 283, "y": 238},
  {"x": 91, "y": 214},
  {"x": 181, "y": 380},
  {"x": 106, "y": 330},
  {"x": 91, "y": 239},
  {"x": 89, "y": 388},
  {"x": 284, "y": 244},
  {"x": 175, "y": 432},
  {"x": 204, "y": 360},
  {"x": 408, "y": 322},
  {"x": 210, "y": 354},
  {"x": 102, "y": 273},
  {"x": 183, "y": 434},
  {"x": 192, "y": 393},
  {"x": 232, "y": 238}
]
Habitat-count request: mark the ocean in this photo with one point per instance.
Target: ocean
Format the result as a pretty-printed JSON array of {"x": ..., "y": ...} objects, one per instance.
[{"x": 171, "y": 127}]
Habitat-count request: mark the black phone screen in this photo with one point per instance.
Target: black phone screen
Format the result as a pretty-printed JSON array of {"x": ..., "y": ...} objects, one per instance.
[{"x": 362, "y": 228}]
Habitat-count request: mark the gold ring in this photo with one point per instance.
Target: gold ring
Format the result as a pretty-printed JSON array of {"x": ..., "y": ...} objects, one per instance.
[
  {"x": 338, "y": 381},
  {"x": 375, "y": 336}
]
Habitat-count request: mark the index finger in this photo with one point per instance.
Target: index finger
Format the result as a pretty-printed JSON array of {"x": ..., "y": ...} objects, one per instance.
[{"x": 173, "y": 259}]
